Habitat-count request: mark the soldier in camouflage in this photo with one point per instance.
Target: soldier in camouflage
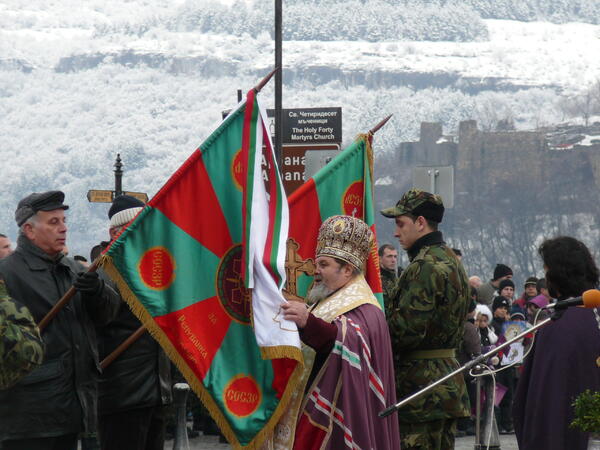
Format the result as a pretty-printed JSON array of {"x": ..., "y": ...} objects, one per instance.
[
  {"x": 426, "y": 324},
  {"x": 388, "y": 269},
  {"x": 21, "y": 347}
]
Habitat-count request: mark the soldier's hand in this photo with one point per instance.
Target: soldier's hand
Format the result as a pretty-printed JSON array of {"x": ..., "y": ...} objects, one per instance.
[
  {"x": 295, "y": 312},
  {"x": 89, "y": 284}
]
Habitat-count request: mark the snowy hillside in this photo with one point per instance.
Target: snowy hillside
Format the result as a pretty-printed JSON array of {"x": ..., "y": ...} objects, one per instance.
[{"x": 82, "y": 81}]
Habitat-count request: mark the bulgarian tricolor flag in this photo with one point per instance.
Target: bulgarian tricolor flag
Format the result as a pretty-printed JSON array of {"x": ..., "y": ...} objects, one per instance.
[
  {"x": 344, "y": 186},
  {"x": 202, "y": 266}
]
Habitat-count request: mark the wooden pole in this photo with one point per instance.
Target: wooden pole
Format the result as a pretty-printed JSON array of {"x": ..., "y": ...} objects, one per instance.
[
  {"x": 377, "y": 127},
  {"x": 64, "y": 300},
  {"x": 265, "y": 80},
  {"x": 124, "y": 346}
]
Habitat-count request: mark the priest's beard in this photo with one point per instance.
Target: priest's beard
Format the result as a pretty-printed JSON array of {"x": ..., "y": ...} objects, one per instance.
[{"x": 318, "y": 292}]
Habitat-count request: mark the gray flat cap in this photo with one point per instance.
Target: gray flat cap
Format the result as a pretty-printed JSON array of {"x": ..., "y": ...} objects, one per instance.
[{"x": 39, "y": 201}]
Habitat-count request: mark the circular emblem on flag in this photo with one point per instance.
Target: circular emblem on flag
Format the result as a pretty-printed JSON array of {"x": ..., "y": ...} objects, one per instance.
[
  {"x": 157, "y": 268},
  {"x": 352, "y": 200},
  {"x": 237, "y": 174},
  {"x": 233, "y": 295},
  {"x": 242, "y": 395}
]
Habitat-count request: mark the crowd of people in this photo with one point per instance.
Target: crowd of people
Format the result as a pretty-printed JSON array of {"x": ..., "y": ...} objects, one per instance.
[
  {"x": 495, "y": 315},
  {"x": 360, "y": 357}
]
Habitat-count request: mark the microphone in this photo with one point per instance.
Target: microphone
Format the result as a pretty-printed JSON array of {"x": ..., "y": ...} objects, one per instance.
[{"x": 589, "y": 299}]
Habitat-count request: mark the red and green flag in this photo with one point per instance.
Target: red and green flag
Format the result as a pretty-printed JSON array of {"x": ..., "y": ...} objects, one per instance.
[
  {"x": 202, "y": 266},
  {"x": 344, "y": 186}
]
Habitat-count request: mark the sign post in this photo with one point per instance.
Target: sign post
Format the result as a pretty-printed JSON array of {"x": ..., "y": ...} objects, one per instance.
[{"x": 107, "y": 196}]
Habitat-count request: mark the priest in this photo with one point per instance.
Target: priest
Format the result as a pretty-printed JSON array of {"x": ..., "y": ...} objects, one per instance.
[{"x": 349, "y": 375}]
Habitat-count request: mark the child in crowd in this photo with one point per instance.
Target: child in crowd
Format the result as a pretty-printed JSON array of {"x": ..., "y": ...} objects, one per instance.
[{"x": 483, "y": 317}]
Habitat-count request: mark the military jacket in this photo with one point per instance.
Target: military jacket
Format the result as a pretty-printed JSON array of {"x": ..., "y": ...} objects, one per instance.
[
  {"x": 389, "y": 279},
  {"x": 21, "y": 347},
  {"x": 430, "y": 308}
]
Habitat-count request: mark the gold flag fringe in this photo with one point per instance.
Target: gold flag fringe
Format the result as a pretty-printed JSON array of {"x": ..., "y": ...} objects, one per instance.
[
  {"x": 282, "y": 351},
  {"x": 157, "y": 333}
]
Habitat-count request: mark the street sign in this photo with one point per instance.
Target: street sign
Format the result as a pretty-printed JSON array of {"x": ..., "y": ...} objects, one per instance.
[
  {"x": 100, "y": 196},
  {"x": 437, "y": 180},
  {"x": 305, "y": 130},
  {"x": 107, "y": 196},
  {"x": 309, "y": 125},
  {"x": 141, "y": 196}
]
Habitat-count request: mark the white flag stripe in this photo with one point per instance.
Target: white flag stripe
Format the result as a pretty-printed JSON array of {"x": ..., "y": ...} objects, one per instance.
[{"x": 269, "y": 326}]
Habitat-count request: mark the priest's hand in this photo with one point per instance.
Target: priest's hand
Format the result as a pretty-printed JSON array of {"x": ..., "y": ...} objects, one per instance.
[{"x": 295, "y": 312}]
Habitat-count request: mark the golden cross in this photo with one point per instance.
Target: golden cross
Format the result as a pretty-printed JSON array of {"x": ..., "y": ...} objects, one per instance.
[{"x": 294, "y": 266}]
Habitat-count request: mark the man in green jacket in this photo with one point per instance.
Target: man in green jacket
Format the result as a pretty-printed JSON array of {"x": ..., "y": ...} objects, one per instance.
[
  {"x": 426, "y": 325},
  {"x": 21, "y": 347}
]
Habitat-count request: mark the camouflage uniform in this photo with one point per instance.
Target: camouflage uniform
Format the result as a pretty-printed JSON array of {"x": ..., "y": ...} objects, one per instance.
[
  {"x": 389, "y": 278},
  {"x": 21, "y": 347},
  {"x": 426, "y": 327}
]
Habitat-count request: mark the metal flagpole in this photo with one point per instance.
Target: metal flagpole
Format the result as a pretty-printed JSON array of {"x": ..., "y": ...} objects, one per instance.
[
  {"x": 278, "y": 80},
  {"x": 479, "y": 360}
]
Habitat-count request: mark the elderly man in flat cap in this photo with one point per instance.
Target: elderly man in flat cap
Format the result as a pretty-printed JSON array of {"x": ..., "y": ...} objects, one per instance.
[
  {"x": 348, "y": 376},
  {"x": 426, "y": 324},
  {"x": 49, "y": 407}
]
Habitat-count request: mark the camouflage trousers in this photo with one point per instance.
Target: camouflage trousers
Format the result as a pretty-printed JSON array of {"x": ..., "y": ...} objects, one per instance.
[{"x": 434, "y": 435}]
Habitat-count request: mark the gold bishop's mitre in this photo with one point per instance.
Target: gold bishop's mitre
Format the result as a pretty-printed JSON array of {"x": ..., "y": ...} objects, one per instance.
[{"x": 346, "y": 238}]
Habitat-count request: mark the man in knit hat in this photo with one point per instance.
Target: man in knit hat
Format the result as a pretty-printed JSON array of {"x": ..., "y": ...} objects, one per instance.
[
  {"x": 123, "y": 210},
  {"x": 486, "y": 292},
  {"x": 529, "y": 291},
  {"x": 135, "y": 387},
  {"x": 506, "y": 289},
  {"x": 348, "y": 360},
  {"x": 426, "y": 325}
]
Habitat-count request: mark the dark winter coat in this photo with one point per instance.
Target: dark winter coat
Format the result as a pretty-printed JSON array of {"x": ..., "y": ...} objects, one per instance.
[
  {"x": 563, "y": 363},
  {"x": 60, "y": 396},
  {"x": 497, "y": 324},
  {"x": 140, "y": 376},
  {"x": 471, "y": 344}
]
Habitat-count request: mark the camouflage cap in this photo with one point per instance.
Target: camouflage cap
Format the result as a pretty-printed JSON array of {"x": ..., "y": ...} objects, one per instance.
[{"x": 418, "y": 203}]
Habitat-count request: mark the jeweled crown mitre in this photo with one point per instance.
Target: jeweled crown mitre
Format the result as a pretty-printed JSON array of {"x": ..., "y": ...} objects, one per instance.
[{"x": 346, "y": 238}]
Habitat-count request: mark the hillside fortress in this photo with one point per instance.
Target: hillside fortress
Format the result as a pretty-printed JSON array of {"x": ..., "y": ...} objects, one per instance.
[{"x": 498, "y": 159}]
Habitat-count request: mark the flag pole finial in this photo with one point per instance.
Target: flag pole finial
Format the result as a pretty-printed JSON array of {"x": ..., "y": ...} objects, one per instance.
[
  {"x": 377, "y": 127},
  {"x": 265, "y": 80}
]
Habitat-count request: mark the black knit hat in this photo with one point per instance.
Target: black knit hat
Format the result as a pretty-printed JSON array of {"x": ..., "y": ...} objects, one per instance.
[
  {"x": 123, "y": 209},
  {"x": 501, "y": 271},
  {"x": 500, "y": 302},
  {"x": 505, "y": 283}
]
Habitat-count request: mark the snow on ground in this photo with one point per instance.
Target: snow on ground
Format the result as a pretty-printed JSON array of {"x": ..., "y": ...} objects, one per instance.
[{"x": 536, "y": 53}]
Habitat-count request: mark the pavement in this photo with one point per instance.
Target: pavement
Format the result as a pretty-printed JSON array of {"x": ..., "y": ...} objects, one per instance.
[{"x": 507, "y": 442}]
